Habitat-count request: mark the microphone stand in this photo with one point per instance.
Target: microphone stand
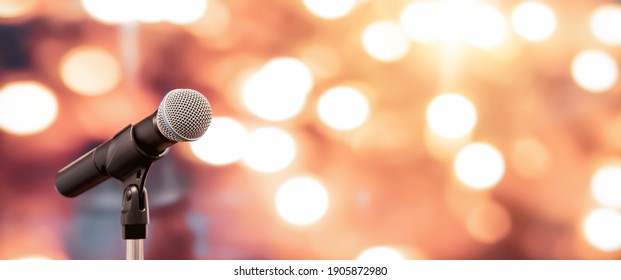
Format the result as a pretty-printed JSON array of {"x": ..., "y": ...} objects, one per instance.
[
  {"x": 135, "y": 201},
  {"x": 134, "y": 220}
]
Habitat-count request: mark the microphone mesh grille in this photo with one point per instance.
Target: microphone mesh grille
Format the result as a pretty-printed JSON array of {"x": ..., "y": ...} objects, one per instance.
[{"x": 184, "y": 115}]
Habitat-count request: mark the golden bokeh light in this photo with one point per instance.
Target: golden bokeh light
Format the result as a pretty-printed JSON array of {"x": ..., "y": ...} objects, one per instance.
[
  {"x": 595, "y": 71},
  {"x": 343, "y": 108},
  {"x": 452, "y": 21},
  {"x": 486, "y": 27},
  {"x": 16, "y": 8},
  {"x": 110, "y": 11},
  {"x": 606, "y": 23},
  {"x": 533, "y": 21},
  {"x": 184, "y": 12},
  {"x": 606, "y": 185},
  {"x": 380, "y": 254},
  {"x": 432, "y": 21},
  {"x": 302, "y": 201},
  {"x": 34, "y": 258},
  {"x": 421, "y": 21},
  {"x": 451, "y": 115},
  {"x": 278, "y": 91},
  {"x": 215, "y": 22},
  {"x": 479, "y": 166},
  {"x": 329, "y": 9},
  {"x": 488, "y": 222},
  {"x": 269, "y": 150},
  {"x": 602, "y": 229},
  {"x": 146, "y": 11},
  {"x": 530, "y": 158},
  {"x": 222, "y": 144},
  {"x": 26, "y": 108},
  {"x": 90, "y": 71},
  {"x": 385, "y": 41}
]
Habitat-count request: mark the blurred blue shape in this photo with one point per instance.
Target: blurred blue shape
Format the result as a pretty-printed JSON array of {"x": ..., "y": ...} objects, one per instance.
[
  {"x": 198, "y": 224},
  {"x": 94, "y": 231},
  {"x": 167, "y": 182}
]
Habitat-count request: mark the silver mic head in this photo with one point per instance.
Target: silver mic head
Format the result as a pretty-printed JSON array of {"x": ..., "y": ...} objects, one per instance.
[{"x": 184, "y": 115}]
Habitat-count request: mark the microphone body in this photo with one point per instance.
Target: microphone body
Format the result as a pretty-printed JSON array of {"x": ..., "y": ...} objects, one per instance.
[
  {"x": 135, "y": 145},
  {"x": 183, "y": 115}
]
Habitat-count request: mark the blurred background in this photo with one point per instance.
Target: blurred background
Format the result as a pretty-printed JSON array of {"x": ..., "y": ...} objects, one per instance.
[{"x": 343, "y": 129}]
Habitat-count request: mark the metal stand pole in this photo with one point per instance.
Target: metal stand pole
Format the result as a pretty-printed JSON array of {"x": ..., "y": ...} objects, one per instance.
[
  {"x": 135, "y": 249},
  {"x": 134, "y": 219}
]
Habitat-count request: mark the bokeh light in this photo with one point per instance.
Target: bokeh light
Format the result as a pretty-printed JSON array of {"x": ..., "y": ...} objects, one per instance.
[
  {"x": 278, "y": 91},
  {"x": 269, "y": 149},
  {"x": 34, "y": 258},
  {"x": 385, "y": 41},
  {"x": 488, "y": 222},
  {"x": 16, "y": 8},
  {"x": 606, "y": 23},
  {"x": 606, "y": 185},
  {"x": 602, "y": 229},
  {"x": 486, "y": 27},
  {"x": 215, "y": 22},
  {"x": 123, "y": 11},
  {"x": 530, "y": 158},
  {"x": 343, "y": 108},
  {"x": 302, "y": 201},
  {"x": 451, "y": 21},
  {"x": 421, "y": 21},
  {"x": 90, "y": 71},
  {"x": 222, "y": 144},
  {"x": 26, "y": 108},
  {"x": 184, "y": 12},
  {"x": 479, "y": 165},
  {"x": 451, "y": 115},
  {"x": 110, "y": 11},
  {"x": 533, "y": 21},
  {"x": 388, "y": 103},
  {"x": 380, "y": 254},
  {"x": 595, "y": 70},
  {"x": 330, "y": 9}
]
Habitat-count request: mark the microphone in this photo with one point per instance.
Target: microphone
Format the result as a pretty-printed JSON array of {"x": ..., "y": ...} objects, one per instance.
[{"x": 183, "y": 115}]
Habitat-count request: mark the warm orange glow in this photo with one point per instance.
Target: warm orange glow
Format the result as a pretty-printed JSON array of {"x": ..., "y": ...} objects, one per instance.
[
  {"x": 534, "y": 21},
  {"x": 329, "y": 9},
  {"x": 26, "y": 108},
  {"x": 269, "y": 150},
  {"x": 385, "y": 41},
  {"x": 16, "y": 8},
  {"x": 595, "y": 71},
  {"x": 453, "y": 21},
  {"x": 302, "y": 201},
  {"x": 380, "y": 254},
  {"x": 223, "y": 143},
  {"x": 343, "y": 108},
  {"x": 342, "y": 129},
  {"x": 530, "y": 158},
  {"x": 118, "y": 11},
  {"x": 479, "y": 165},
  {"x": 90, "y": 71},
  {"x": 606, "y": 185},
  {"x": 488, "y": 222},
  {"x": 606, "y": 22},
  {"x": 451, "y": 115},
  {"x": 602, "y": 229},
  {"x": 268, "y": 95}
]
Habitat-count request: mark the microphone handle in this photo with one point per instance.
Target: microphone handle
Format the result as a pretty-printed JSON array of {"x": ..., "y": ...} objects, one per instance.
[{"x": 135, "y": 145}]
